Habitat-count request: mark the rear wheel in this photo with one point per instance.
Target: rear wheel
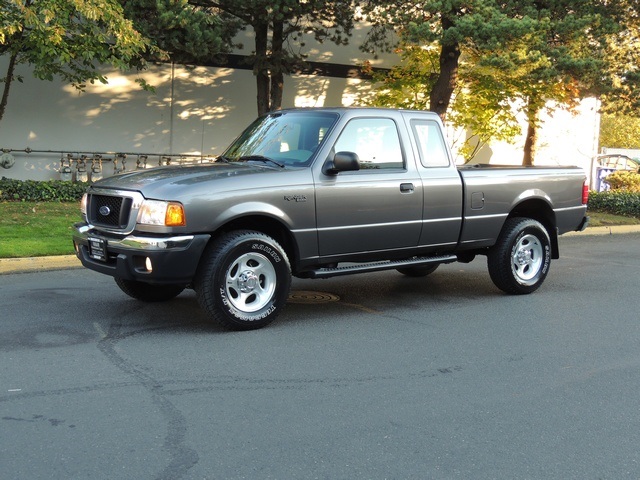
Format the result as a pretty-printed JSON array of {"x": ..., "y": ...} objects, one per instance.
[
  {"x": 243, "y": 280},
  {"x": 520, "y": 260},
  {"x": 148, "y": 292}
]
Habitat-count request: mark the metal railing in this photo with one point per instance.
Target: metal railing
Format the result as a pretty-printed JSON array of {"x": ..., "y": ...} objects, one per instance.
[{"x": 88, "y": 165}]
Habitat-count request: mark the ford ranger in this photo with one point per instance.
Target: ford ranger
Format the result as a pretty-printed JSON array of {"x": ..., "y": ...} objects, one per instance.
[{"x": 316, "y": 193}]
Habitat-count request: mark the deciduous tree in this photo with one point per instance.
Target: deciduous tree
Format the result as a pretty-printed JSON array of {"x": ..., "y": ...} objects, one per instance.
[
  {"x": 478, "y": 106},
  {"x": 69, "y": 39},
  {"x": 620, "y": 131}
]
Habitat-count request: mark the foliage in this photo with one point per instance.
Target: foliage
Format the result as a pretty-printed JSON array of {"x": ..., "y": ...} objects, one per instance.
[
  {"x": 405, "y": 85},
  {"x": 478, "y": 106},
  {"x": 40, "y": 191},
  {"x": 615, "y": 201},
  {"x": 67, "y": 39},
  {"x": 187, "y": 33},
  {"x": 623, "y": 66},
  {"x": 619, "y": 131},
  {"x": 624, "y": 180},
  {"x": 542, "y": 51}
]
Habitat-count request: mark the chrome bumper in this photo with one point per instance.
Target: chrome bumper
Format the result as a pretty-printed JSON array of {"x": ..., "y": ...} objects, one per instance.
[{"x": 174, "y": 259}]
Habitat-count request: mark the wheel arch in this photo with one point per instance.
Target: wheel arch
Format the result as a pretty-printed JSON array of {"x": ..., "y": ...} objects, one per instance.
[
  {"x": 269, "y": 226},
  {"x": 540, "y": 209}
]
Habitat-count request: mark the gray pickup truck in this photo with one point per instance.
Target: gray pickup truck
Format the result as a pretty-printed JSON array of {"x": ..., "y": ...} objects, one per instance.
[{"x": 316, "y": 193}]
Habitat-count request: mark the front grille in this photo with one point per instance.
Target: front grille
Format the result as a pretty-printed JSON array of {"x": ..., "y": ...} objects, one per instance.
[{"x": 109, "y": 211}]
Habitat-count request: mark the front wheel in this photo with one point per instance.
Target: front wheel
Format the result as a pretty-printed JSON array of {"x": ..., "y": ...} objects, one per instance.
[
  {"x": 243, "y": 280},
  {"x": 519, "y": 261}
]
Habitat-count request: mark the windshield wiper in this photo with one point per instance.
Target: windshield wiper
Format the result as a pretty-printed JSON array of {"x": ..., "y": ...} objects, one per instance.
[
  {"x": 222, "y": 158},
  {"x": 260, "y": 158}
]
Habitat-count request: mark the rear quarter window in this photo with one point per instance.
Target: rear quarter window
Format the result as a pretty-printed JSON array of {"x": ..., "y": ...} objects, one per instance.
[{"x": 431, "y": 146}]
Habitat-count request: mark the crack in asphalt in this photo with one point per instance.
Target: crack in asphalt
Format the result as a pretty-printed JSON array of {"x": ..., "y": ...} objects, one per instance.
[{"x": 182, "y": 457}]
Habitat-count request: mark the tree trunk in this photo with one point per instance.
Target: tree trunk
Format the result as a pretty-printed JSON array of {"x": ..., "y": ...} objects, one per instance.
[
  {"x": 441, "y": 92},
  {"x": 7, "y": 83},
  {"x": 260, "y": 67},
  {"x": 277, "y": 68},
  {"x": 531, "y": 141}
]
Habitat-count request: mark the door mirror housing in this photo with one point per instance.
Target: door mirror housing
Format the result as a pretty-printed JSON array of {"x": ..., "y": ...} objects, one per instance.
[{"x": 342, "y": 162}]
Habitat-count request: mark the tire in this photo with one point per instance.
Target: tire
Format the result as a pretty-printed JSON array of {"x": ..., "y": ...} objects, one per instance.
[
  {"x": 520, "y": 260},
  {"x": 148, "y": 292},
  {"x": 243, "y": 280},
  {"x": 421, "y": 271}
]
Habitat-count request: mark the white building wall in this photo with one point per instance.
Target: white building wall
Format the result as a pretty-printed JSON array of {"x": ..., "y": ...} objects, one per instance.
[{"x": 196, "y": 111}]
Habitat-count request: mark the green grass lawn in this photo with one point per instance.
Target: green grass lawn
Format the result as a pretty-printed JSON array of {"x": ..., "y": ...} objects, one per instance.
[
  {"x": 599, "y": 219},
  {"x": 31, "y": 229}
]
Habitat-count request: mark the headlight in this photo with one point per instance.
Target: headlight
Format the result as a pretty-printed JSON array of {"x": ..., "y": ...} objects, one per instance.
[
  {"x": 83, "y": 205},
  {"x": 156, "y": 212}
]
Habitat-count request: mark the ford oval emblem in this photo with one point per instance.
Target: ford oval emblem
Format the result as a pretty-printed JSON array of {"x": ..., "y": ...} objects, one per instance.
[{"x": 104, "y": 211}]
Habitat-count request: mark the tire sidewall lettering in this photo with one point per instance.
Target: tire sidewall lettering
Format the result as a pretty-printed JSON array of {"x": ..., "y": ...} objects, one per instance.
[
  {"x": 547, "y": 260},
  {"x": 267, "y": 250},
  {"x": 242, "y": 316}
]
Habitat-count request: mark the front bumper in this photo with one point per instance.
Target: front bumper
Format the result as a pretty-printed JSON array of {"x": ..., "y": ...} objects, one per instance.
[{"x": 173, "y": 259}]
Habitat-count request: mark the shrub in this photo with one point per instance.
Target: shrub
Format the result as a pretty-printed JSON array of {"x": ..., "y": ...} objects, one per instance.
[
  {"x": 617, "y": 202},
  {"x": 40, "y": 191},
  {"x": 624, "y": 180}
]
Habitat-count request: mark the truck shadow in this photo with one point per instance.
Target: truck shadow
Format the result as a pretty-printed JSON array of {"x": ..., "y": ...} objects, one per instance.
[{"x": 382, "y": 293}]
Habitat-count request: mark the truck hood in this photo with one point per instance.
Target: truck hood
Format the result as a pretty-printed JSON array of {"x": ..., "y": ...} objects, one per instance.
[{"x": 177, "y": 178}]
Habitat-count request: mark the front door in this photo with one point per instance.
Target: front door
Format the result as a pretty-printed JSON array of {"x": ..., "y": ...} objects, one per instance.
[{"x": 376, "y": 208}]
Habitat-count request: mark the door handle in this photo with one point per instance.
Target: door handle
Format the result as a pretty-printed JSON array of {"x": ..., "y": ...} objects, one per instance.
[{"x": 406, "y": 187}]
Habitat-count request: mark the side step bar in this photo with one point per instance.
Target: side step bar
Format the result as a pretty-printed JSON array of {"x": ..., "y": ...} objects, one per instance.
[{"x": 378, "y": 266}]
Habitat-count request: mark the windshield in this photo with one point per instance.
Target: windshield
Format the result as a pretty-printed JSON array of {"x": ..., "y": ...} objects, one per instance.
[{"x": 286, "y": 139}]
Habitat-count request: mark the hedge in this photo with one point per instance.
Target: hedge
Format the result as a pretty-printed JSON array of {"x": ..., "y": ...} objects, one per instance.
[
  {"x": 40, "y": 191},
  {"x": 616, "y": 202}
]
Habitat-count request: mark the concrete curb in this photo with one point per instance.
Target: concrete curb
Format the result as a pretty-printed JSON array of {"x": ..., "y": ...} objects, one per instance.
[
  {"x": 38, "y": 264},
  {"x": 613, "y": 230},
  {"x": 64, "y": 262}
]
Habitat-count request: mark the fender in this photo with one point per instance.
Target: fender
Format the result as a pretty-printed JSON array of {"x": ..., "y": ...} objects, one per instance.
[{"x": 245, "y": 209}]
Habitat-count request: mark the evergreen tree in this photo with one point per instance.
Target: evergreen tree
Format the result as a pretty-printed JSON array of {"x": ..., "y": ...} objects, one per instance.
[
  {"x": 623, "y": 96},
  {"x": 186, "y": 33},
  {"x": 540, "y": 50},
  {"x": 279, "y": 28},
  {"x": 562, "y": 58}
]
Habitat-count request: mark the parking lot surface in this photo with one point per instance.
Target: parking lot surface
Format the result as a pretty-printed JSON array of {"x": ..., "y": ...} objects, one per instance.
[{"x": 372, "y": 376}]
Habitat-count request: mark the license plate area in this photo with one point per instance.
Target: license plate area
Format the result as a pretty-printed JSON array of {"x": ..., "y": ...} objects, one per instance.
[{"x": 98, "y": 249}]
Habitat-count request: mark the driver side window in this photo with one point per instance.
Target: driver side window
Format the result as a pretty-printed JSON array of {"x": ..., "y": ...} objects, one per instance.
[{"x": 374, "y": 140}]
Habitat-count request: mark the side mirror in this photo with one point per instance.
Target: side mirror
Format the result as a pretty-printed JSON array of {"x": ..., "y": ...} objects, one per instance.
[{"x": 342, "y": 162}]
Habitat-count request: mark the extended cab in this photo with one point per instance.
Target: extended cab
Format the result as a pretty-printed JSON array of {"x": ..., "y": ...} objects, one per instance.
[{"x": 317, "y": 193}]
